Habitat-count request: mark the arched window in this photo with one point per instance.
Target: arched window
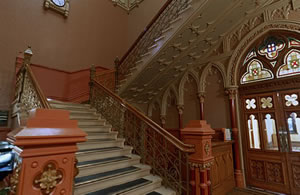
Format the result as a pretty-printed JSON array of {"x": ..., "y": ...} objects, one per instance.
[{"x": 274, "y": 56}]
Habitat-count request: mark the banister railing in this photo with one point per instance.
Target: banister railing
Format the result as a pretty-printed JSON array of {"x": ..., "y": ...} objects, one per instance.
[
  {"x": 153, "y": 31},
  {"x": 167, "y": 155},
  {"x": 27, "y": 91}
]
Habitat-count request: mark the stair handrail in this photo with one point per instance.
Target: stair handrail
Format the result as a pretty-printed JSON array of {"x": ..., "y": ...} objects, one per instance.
[
  {"x": 27, "y": 90},
  {"x": 146, "y": 39},
  {"x": 167, "y": 155}
]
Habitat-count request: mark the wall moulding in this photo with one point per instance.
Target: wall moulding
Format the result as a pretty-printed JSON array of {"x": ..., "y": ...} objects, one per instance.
[{"x": 127, "y": 5}]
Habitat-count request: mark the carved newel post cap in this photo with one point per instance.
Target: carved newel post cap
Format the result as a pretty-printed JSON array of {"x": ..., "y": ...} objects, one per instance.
[
  {"x": 47, "y": 127},
  {"x": 46, "y": 148},
  {"x": 197, "y": 127},
  {"x": 199, "y": 134}
]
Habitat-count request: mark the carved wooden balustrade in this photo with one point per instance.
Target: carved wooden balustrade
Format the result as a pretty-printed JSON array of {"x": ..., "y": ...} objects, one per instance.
[
  {"x": 168, "y": 156},
  {"x": 28, "y": 94},
  {"x": 154, "y": 30},
  {"x": 44, "y": 140}
]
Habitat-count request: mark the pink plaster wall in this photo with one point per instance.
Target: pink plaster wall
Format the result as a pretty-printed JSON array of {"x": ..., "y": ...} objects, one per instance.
[
  {"x": 62, "y": 85},
  {"x": 94, "y": 33}
]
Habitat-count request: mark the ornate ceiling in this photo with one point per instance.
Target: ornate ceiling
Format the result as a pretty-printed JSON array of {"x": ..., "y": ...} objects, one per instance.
[
  {"x": 210, "y": 34},
  {"x": 127, "y": 4}
]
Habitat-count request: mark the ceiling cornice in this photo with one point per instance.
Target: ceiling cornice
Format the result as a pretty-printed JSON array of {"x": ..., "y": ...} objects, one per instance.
[{"x": 127, "y": 5}]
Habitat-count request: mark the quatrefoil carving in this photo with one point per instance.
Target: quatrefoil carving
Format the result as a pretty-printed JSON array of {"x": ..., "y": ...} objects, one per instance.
[
  {"x": 266, "y": 102},
  {"x": 251, "y": 104},
  {"x": 291, "y": 100}
]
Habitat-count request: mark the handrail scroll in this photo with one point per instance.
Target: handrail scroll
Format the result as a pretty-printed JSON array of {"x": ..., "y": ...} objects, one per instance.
[{"x": 167, "y": 155}]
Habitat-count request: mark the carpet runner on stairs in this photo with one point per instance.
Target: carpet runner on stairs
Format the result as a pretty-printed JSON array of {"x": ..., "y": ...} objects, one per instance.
[{"x": 106, "y": 165}]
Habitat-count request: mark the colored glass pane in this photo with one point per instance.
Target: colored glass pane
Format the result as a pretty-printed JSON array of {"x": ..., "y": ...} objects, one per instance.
[
  {"x": 291, "y": 64},
  {"x": 256, "y": 72},
  {"x": 271, "y": 47}
]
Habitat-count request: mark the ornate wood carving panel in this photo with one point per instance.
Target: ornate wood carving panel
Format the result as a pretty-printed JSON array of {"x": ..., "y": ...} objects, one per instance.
[
  {"x": 222, "y": 170},
  {"x": 257, "y": 170},
  {"x": 296, "y": 175},
  {"x": 274, "y": 172}
]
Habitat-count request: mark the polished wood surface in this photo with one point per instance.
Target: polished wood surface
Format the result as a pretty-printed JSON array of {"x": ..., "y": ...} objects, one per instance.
[
  {"x": 222, "y": 171},
  {"x": 47, "y": 147}
]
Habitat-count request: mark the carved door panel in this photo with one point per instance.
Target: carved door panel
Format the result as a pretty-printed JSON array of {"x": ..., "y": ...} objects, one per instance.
[
  {"x": 290, "y": 103},
  {"x": 266, "y": 164}
]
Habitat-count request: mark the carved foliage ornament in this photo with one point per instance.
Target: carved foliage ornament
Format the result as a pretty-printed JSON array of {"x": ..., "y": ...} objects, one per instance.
[
  {"x": 128, "y": 5},
  {"x": 14, "y": 180},
  {"x": 61, "y": 6},
  {"x": 48, "y": 179}
]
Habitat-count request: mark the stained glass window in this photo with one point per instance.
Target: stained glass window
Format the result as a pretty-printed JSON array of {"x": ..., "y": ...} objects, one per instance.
[
  {"x": 291, "y": 64},
  {"x": 293, "y": 42},
  {"x": 277, "y": 56},
  {"x": 271, "y": 48},
  {"x": 256, "y": 72}
]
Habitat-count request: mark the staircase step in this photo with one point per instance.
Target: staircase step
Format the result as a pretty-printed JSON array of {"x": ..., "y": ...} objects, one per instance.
[
  {"x": 102, "y": 153},
  {"x": 154, "y": 184},
  {"x": 51, "y": 101},
  {"x": 102, "y": 135},
  {"x": 91, "y": 122},
  {"x": 96, "y": 182},
  {"x": 79, "y": 116},
  {"x": 95, "y": 128},
  {"x": 118, "y": 189},
  {"x": 69, "y": 105},
  {"x": 108, "y": 164},
  {"x": 162, "y": 191},
  {"x": 101, "y": 143}
]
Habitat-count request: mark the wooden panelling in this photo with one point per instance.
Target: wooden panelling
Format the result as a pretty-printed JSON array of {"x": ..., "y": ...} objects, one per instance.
[
  {"x": 222, "y": 171},
  {"x": 3, "y": 133}
]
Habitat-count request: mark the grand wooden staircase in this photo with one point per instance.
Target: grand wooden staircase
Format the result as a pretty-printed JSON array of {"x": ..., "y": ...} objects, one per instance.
[{"x": 106, "y": 165}]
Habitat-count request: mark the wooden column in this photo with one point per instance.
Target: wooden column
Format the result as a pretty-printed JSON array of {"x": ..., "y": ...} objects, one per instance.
[
  {"x": 45, "y": 153},
  {"x": 180, "y": 109},
  {"x": 199, "y": 133},
  {"x": 201, "y": 96},
  {"x": 163, "y": 120},
  {"x": 239, "y": 178}
]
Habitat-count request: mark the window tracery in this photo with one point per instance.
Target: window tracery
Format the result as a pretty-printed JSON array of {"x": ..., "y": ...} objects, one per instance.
[{"x": 277, "y": 56}]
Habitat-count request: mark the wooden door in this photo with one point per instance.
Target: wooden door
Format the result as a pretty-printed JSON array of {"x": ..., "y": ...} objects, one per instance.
[
  {"x": 266, "y": 163},
  {"x": 290, "y": 103}
]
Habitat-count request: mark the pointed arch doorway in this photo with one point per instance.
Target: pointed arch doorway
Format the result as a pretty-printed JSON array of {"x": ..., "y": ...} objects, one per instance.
[{"x": 269, "y": 89}]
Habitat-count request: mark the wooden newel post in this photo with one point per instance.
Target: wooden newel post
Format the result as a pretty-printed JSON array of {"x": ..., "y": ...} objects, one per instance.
[
  {"x": 199, "y": 133},
  {"x": 45, "y": 161}
]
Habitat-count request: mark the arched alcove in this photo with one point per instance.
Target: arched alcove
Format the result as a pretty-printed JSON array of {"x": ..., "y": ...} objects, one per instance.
[
  {"x": 216, "y": 106},
  {"x": 191, "y": 101},
  {"x": 172, "y": 112}
]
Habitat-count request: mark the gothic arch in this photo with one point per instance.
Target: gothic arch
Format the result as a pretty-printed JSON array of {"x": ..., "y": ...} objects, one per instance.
[
  {"x": 194, "y": 75},
  {"x": 219, "y": 66},
  {"x": 151, "y": 105},
  {"x": 165, "y": 99},
  {"x": 249, "y": 39}
]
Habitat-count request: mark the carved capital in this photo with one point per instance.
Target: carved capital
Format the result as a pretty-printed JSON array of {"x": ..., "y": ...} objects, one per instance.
[
  {"x": 201, "y": 96},
  {"x": 180, "y": 109},
  {"x": 231, "y": 92}
]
